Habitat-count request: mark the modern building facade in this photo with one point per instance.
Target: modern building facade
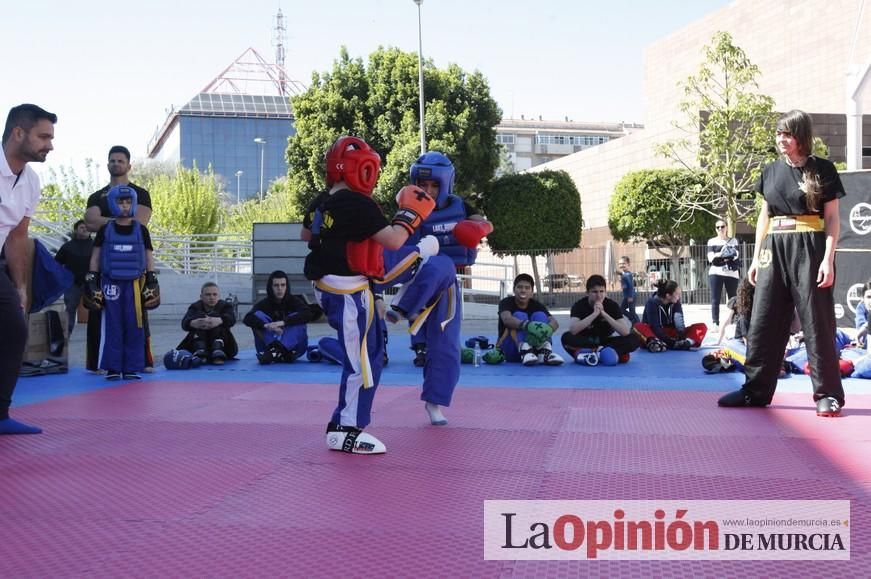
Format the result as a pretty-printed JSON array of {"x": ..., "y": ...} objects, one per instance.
[
  {"x": 803, "y": 50},
  {"x": 531, "y": 142},
  {"x": 238, "y": 124}
]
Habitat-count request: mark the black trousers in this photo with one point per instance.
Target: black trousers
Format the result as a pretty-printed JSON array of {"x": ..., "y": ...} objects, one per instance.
[
  {"x": 787, "y": 280},
  {"x": 621, "y": 344},
  {"x": 14, "y": 340},
  {"x": 717, "y": 283}
]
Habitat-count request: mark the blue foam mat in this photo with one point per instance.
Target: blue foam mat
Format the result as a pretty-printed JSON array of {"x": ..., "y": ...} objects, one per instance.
[{"x": 678, "y": 371}]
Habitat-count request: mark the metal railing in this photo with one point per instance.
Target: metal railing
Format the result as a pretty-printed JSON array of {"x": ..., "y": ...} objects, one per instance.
[
  {"x": 561, "y": 276},
  {"x": 183, "y": 254}
]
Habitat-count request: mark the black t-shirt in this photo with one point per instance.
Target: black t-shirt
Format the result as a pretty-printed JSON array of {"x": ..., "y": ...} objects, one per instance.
[
  {"x": 347, "y": 216},
  {"x": 779, "y": 184},
  {"x": 509, "y": 304},
  {"x": 75, "y": 255},
  {"x": 99, "y": 199},
  {"x": 123, "y": 230},
  {"x": 600, "y": 327}
]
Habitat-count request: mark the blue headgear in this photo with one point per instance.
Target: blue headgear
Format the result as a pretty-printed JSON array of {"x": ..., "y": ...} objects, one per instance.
[
  {"x": 435, "y": 166},
  {"x": 121, "y": 192}
]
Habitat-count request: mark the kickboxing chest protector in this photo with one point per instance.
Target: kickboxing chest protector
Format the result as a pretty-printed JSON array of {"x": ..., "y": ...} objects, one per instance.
[
  {"x": 441, "y": 223},
  {"x": 363, "y": 257},
  {"x": 122, "y": 257}
]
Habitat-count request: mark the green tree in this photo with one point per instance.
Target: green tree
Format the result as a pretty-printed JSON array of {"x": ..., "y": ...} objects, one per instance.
[
  {"x": 277, "y": 207},
  {"x": 534, "y": 214},
  {"x": 730, "y": 130},
  {"x": 186, "y": 202},
  {"x": 643, "y": 206},
  {"x": 378, "y": 102}
]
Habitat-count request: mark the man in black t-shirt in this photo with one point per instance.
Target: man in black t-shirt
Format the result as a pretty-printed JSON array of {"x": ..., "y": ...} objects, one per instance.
[
  {"x": 516, "y": 313},
  {"x": 75, "y": 255},
  {"x": 97, "y": 215},
  {"x": 598, "y": 327},
  {"x": 347, "y": 233}
]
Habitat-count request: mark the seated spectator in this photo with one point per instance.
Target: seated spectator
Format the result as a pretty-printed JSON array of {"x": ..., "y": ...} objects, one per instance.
[
  {"x": 208, "y": 322},
  {"x": 517, "y": 315},
  {"x": 279, "y": 322},
  {"x": 662, "y": 326},
  {"x": 730, "y": 355},
  {"x": 862, "y": 317},
  {"x": 599, "y": 327}
]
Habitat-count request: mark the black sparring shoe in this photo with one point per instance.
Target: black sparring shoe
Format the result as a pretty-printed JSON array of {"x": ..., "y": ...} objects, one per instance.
[
  {"x": 200, "y": 350},
  {"x": 739, "y": 399},
  {"x": 828, "y": 407},
  {"x": 683, "y": 344},
  {"x": 655, "y": 345},
  {"x": 419, "y": 355}
]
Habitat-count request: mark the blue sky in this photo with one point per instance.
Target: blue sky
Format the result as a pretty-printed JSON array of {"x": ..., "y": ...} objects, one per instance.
[{"x": 111, "y": 69}]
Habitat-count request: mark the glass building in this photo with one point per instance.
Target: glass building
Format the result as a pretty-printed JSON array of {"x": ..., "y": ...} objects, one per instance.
[{"x": 238, "y": 133}]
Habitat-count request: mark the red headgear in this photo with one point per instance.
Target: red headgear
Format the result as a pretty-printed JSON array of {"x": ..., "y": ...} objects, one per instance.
[{"x": 351, "y": 160}]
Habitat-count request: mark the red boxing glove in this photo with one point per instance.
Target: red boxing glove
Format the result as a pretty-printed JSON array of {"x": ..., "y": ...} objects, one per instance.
[
  {"x": 469, "y": 233},
  {"x": 414, "y": 207}
]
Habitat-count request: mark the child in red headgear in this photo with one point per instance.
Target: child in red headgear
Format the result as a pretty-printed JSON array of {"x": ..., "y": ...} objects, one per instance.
[{"x": 347, "y": 233}]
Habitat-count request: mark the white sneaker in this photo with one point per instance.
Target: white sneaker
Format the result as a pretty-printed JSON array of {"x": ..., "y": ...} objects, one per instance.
[
  {"x": 546, "y": 356},
  {"x": 353, "y": 440},
  {"x": 587, "y": 358}
]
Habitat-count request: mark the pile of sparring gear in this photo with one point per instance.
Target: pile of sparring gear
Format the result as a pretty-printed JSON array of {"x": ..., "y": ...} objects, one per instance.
[
  {"x": 181, "y": 360},
  {"x": 491, "y": 354}
]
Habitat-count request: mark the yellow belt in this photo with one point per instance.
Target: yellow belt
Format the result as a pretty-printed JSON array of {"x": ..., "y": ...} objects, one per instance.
[{"x": 796, "y": 224}]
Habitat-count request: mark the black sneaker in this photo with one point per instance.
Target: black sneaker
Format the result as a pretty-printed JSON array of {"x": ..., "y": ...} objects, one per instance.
[
  {"x": 113, "y": 375},
  {"x": 131, "y": 376},
  {"x": 739, "y": 399},
  {"x": 828, "y": 407}
]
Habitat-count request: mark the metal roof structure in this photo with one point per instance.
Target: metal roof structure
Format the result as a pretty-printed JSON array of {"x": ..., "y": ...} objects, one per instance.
[{"x": 250, "y": 87}]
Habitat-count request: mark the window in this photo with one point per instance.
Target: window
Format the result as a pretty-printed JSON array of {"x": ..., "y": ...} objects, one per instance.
[{"x": 504, "y": 139}]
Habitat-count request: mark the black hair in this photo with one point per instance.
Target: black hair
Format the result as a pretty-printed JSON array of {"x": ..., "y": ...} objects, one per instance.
[
  {"x": 25, "y": 116},
  {"x": 77, "y": 223},
  {"x": 799, "y": 125},
  {"x": 524, "y": 277},
  {"x": 665, "y": 287},
  {"x": 120, "y": 149},
  {"x": 596, "y": 280},
  {"x": 744, "y": 297},
  {"x": 208, "y": 284},
  {"x": 867, "y": 286}
]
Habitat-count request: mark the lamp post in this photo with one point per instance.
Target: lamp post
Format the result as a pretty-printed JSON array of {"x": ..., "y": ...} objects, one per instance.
[
  {"x": 420, "y": 78},
  {"x": 262, "y": 142},
  {"x": 238, "y": 175}
]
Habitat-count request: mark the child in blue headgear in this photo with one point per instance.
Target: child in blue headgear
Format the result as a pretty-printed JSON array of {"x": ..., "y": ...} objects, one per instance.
[{"x": 122, "y": 282}]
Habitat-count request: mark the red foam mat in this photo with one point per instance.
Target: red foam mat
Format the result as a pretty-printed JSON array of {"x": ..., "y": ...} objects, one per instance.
[{"x": 233, "y": 478}]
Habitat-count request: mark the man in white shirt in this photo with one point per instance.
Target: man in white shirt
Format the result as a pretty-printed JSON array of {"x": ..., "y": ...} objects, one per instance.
[{"x": 27, "y": 138}]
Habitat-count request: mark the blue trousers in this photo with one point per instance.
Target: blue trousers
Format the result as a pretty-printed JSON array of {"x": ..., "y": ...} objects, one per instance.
[
  {"x": 122, "y": 343},
  {"x": 510, "y": 340},
  {"x": 292, "y": 338},
  {"x": 352, "y": 314},
  {"x": 431, "y": 296}
]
